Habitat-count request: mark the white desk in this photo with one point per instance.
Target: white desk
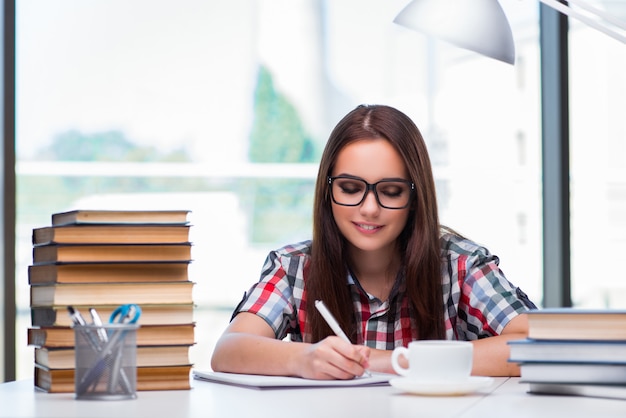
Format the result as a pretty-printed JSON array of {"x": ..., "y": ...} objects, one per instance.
[{"x": 505, "y": 399}]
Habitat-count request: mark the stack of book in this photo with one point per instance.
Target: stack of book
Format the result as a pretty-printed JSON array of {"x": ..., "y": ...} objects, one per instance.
[
  {"x": 574, "y": 352},
  {"x": 103, "y": 259}
]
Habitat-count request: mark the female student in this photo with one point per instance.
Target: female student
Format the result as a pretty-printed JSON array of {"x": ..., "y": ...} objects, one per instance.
[{"x": 382, "y": 264}]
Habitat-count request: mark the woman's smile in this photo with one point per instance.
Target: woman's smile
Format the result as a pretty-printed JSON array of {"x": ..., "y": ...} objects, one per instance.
[{"x": 367, "y": 228}]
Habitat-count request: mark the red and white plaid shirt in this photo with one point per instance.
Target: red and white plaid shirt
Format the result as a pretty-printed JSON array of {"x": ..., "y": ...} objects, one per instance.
[{"x": 478, "y": 301}]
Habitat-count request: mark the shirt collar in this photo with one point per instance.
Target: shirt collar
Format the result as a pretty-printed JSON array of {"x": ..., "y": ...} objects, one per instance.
[{"x": 399, "y": 286}]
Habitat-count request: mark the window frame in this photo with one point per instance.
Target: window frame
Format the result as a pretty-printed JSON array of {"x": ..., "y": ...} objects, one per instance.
[{"x": 555, "y": 142}]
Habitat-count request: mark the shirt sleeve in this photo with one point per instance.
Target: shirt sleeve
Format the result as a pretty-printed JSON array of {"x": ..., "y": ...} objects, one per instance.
[
  {"x": 487, "y": 300},
  {"x": 271, "y": 298}
]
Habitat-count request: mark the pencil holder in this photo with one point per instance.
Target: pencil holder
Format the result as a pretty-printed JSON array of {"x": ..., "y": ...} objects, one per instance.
[{"x": 106, "y": 361}]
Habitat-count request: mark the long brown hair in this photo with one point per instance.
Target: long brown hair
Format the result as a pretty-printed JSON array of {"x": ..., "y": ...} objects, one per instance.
[{"x": 418, "y": 243}]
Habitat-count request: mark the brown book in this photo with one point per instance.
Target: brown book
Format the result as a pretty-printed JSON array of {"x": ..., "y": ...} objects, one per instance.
[
  {"x": 58, "y": 337},
  {"x": 107, "y": 272},
  {"x": 111, "y": 252},
  {"x": 111, "y": 234},
  {"x": 120, "y": 216},
  {"x": 111, "y": 293},
  {"x": 147, "y": 356},
  {"x": 148, "y": 378},
  {"x": 576, "y": 324},
  {"x": 166, "y": 314}
]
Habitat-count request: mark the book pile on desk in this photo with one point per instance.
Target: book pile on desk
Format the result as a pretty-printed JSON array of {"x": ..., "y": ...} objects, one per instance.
[
  {"x": 103, "y": 259},
  {"x": 574, "y": 352}
]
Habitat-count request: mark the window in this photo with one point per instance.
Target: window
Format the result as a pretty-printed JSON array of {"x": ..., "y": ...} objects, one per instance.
[
  {"x": 224, "y": 107},
  {"x": 598, "y": 173}
]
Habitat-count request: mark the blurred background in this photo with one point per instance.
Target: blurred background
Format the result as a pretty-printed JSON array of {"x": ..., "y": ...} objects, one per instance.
[{"x": 223, "y": 108}]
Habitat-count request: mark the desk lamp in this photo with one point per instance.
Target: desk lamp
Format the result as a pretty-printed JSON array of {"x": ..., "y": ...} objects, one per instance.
[{"x": 481, "y": 25}]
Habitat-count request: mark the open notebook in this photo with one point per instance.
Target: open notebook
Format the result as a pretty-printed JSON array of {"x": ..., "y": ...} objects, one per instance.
[{"x": 281, "y": 382}]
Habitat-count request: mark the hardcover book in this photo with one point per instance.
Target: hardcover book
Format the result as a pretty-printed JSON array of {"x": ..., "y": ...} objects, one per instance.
[
  {"x": 113, "y": 234},
  {"x": 92, "y": 272},
  {"x": 593, "y": 391},
  {"x": 165, "y": 314},
  {"x": 111, "y": 293},
  {"x": 55, "y": 253},
  {"x": 576, "y": 324},
  {"x": 57, "y": 337},
  {"x": 567, "y": 351},
  {"x": 579, "y": 373},
  {"x": 148, "y": 378},
  {"x": 147, "y": 356},
  {"x": 84, "y": 216}
]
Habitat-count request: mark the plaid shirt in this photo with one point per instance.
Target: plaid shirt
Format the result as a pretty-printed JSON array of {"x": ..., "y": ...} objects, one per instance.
[{"x": 478, "y": 301}]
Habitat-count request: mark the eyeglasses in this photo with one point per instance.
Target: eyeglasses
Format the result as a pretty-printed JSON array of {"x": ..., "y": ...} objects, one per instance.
[{"x": 351, "y": 191}]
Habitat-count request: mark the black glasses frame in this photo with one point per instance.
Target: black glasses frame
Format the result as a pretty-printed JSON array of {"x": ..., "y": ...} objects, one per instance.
[{"x": 370, "y": 187}]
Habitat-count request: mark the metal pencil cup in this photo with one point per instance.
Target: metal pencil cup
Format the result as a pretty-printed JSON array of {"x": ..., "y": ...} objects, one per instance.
[{"x": 106, "y": 361}]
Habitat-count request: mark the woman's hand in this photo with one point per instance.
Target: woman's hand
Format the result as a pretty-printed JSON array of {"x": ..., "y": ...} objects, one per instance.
[
  {"x": 249, "y": 345},
  {"x": 333, "y": 358}
]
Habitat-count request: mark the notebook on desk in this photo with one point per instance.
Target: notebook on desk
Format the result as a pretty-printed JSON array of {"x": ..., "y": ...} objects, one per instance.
[{"x": 283, "y": 382}]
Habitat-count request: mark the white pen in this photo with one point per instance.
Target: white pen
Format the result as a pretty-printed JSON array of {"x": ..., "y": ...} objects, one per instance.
[
  {"x": 333, "y": 324},
  {"x": 102, "y": 334}
]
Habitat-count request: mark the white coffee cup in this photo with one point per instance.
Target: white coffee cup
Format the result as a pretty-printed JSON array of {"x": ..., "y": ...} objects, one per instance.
[{"x": 435, "y": 360}]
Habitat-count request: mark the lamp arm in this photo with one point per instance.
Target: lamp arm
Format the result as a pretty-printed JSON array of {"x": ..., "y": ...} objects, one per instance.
[
  {"x": 583, "y": 4},
  {"x": 566, "y": 10}
]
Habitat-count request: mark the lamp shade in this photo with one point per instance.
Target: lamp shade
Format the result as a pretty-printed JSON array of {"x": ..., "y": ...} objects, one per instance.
[{"x": 478, "y": 25}]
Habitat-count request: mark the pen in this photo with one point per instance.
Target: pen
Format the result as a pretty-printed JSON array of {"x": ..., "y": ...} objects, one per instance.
[
  {"x": 78, "y": 319},
  {"x": 93, "y": 340},
  {"x": 76, "y": 316},
  {"x": 102, "y": 334},
  {"x": 333, "y": 324}
]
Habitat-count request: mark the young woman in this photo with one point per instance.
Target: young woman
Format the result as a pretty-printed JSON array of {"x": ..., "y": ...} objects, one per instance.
[{"x": 381, "y": 263}]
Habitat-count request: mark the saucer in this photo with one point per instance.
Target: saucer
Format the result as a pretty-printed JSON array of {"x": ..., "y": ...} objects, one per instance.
[{"x": 441, "y": 388}]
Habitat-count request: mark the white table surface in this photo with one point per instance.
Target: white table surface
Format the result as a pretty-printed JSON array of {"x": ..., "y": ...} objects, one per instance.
[{"x": 504, "y": 399}]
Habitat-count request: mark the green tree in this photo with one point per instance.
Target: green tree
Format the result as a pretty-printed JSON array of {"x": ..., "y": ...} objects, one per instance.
[
  {"x": 277, "y": 134},
  {"x": 102, "y": 146},
  {"x": 280, "y": 209},
  {"x": 38, "y": 196}
]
